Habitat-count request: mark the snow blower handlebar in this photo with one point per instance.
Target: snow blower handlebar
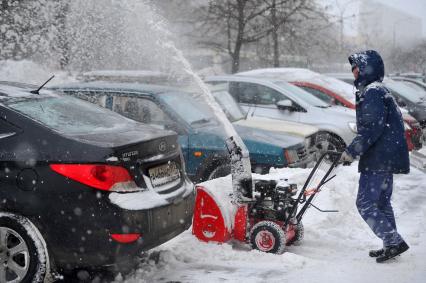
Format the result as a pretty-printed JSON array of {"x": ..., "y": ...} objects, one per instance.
[{"x": 326, "y": 163}]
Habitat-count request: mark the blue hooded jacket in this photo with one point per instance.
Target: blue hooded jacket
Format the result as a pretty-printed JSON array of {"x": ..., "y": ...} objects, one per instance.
[{"x": 380, "y": 142}]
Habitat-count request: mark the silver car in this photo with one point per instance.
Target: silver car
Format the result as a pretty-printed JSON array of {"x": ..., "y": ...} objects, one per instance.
[{"x": 277, "y": 99}]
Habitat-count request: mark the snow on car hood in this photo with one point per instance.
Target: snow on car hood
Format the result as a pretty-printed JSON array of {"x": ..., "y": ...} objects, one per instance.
[
  {"x": 285, "y": 140},
  {"x": 280, "y": 126}
]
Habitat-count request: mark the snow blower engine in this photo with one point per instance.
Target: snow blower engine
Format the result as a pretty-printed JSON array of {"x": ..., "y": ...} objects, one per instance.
[{"x": 268, "y": 220}]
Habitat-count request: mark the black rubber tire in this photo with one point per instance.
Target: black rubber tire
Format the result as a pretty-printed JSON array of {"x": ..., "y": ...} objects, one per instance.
[
  {"x": 273, "y": 231},
  {"x": 299, "y": 234},
  {"x": 220, "y": 171},
  {"x": 334, "y": 143},
  {"x": 38, "y": 256}
]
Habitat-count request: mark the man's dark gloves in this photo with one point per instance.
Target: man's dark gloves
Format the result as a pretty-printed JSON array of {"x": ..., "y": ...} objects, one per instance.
[{"x": 346, "y": 159}]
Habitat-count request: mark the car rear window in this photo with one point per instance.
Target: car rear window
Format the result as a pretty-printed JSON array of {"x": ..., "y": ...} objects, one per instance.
[
  {"x": 191, "y": 110},
  {"x": 70, "y": 115}
]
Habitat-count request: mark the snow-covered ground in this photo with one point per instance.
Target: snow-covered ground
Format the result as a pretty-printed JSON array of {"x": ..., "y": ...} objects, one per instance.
[{"x": 335, "y": 248}]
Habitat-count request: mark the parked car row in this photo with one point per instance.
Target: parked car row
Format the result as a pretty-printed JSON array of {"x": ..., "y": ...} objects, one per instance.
[
  {"x": 341, "y": 93},
  {"x": 96, "y": 171},
  {"x": 200, "y": 134}
]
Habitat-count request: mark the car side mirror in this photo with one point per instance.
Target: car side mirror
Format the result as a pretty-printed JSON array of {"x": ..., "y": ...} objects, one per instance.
[{"x": 285, "y": 105}]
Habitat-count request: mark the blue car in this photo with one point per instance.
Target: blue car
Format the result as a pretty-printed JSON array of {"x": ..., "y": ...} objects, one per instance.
[{"x": 201, "y": 135}]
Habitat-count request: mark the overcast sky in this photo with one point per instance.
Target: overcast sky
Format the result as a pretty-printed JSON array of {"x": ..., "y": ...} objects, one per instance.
[{"x": 414, "y": 7}]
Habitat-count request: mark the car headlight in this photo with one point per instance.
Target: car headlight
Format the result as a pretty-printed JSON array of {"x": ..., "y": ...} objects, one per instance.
[{"x": 353, "y": 127}]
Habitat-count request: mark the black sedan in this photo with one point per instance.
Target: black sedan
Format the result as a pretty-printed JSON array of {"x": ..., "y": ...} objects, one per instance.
[{"x": 81, "y": 186}]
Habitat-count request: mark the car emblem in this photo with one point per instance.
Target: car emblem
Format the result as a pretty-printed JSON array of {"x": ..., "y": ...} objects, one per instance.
[{"x": 162, "y": 146}]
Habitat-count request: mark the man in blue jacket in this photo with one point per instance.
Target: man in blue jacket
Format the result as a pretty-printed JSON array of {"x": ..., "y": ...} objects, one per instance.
[{"x": 381, "y": 146}]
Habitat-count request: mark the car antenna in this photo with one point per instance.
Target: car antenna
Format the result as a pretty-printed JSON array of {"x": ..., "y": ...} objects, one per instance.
[{"x": 37, "y": 90}]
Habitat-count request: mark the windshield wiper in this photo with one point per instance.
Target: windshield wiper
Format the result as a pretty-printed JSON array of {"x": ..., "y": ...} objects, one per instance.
[
  {"x": 37, "y": 90},
  {"x": 200, "y": 121}
]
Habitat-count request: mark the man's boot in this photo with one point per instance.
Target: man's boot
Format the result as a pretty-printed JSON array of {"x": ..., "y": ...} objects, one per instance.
[
  {"x": 392, "y": 251},
  {"x": 376, "y": 253}
]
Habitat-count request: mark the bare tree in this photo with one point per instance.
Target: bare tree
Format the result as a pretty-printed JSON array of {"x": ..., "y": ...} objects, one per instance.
[
  {"x": 234, "y": 25},
  {"x": 281, "y": 13},
  {"x": 231, "y": 24}
]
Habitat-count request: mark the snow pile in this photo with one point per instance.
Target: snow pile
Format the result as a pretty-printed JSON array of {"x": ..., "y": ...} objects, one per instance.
[
  {"x": 27, "y": 71},
  {"x": 149, "y": 198},
  {"x": 335, "y": 248}
]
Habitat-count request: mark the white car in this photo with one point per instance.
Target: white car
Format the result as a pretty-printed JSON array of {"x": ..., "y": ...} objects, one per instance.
[
  {"x": 277, "y": 99},
  {"x": 237, "y": 117}
]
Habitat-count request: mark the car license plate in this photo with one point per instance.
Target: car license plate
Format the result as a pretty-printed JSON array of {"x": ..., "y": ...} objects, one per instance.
[{"x": 164, "y": 174}]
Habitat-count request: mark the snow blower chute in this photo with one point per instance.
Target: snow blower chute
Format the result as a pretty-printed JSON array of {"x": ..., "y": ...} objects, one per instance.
[{"x": 269, "y": 217}]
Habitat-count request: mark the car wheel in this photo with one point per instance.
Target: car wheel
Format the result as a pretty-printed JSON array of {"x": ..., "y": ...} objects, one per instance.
[
  {"x": 220, "y": 171},
  {"x": 268, "y": 236},
  {"x": 329, "y": 142},
  {"x": 23, "y": 254}
]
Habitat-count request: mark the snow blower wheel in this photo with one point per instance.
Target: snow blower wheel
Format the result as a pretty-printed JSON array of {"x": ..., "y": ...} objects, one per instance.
[
  {"x": 299, "y": 234},
  {"x": 269, "y": 237}
]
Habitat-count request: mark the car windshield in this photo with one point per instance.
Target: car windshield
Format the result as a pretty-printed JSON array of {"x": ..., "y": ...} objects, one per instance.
[
  {"x": 232, "y": 110},
  {"x": 69, "y": 115},
  {"x": 405, "y": 91},
  {"x": 188, "y": 108},
  {"x": 302, "y": 94}
]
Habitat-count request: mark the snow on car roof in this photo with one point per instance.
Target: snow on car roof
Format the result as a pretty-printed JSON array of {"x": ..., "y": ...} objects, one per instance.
[
  {"x": 20, "y": 90},
  {"x": 131, "y": 76},
  {"x": 117, "y": 86},
  {"x": 305, "y": 75},
  {"x": 122, "y": 73}
]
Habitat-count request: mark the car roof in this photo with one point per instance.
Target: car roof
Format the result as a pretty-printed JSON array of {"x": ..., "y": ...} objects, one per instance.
[
  {"x": 340, "y": 75},
  {"x": 341, "y": 88},
  {"x": 125, "y": 73},
  {"x": 11, "y": 90},
  {"x": 148, "y": 89},
  {"x": 237, "y": 78},
  {"x": 408, "y": 79},
  {"x": 287, "y": 72}
]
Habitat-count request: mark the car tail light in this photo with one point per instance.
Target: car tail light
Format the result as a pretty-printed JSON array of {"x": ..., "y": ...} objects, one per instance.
[
  {"x": 125, "y": 238},
  {"x": 102, "y": 177}
]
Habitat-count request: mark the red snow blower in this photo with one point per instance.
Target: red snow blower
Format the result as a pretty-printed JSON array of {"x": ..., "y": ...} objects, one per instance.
[{"x": 268, "y": 221}]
